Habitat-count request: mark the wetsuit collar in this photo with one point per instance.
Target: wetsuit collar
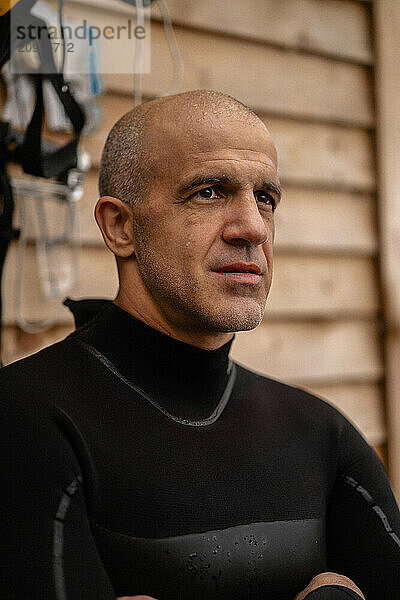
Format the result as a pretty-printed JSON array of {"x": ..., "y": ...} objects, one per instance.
[{"x": 188, "y": 381}]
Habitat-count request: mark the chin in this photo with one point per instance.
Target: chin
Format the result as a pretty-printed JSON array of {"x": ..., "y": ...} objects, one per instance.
[{"x": 237, "y": 319}]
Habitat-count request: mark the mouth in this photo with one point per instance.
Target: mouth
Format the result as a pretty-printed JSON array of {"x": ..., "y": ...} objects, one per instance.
[{"x": 240, "y": 272}]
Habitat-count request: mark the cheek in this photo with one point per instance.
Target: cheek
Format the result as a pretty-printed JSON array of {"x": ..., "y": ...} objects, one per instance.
[
  {"x": 151, "y": 230},
  {"x": 198, "y": 235},
  {"x": 268, "y": 246},
  {"x": 174, "y": 237}
]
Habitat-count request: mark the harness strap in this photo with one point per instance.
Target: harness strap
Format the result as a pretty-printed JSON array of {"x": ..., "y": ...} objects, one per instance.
[{"x": 34, "y": 159}]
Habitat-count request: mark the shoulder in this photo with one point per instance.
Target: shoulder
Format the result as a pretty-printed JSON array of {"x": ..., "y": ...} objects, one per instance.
[
  {"x": 38, "y": 374},
  {"x": 37, "y": 441},
  {"x": 58, "y": 363},
  {"x": 304, "y": 416},
  {"x": 36, "y": 396},
  {"x": 289, "y": 401}
]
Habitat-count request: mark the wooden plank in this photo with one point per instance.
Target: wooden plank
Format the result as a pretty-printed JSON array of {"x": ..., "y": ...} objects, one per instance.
[
  {"x": 362, "y": 403},
  {"x": 310, "y": 154},
  {"x": 338, "y": 28},
  {"x": 304, "y": 287},
  {"x": 387, "y": 27},
  {"x": 334, "y": 28},
  {"x": 266, "y": 78},
  {"x": 313, "y": 353},
  {"x": 323, "y": 287},
  {"x": 286, "y": 351},
  {"x": 307, "y": 220},
  {"x": 323, "y": 155},
  {"x": 317, "y": 220},
  {"x": 16, "y": 344}
]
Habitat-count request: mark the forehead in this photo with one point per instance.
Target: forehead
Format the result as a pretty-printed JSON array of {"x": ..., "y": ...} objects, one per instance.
[{"x": 237, "y": 145}]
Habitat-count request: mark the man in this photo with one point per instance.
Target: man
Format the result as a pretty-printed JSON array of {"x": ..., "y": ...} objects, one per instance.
[{"x": 140, "y": 461}]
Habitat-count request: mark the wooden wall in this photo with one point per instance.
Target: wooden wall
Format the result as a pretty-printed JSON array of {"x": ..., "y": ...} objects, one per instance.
[
  {"x": 387, "y": 85},
  {"x": 306, "y": 66}
]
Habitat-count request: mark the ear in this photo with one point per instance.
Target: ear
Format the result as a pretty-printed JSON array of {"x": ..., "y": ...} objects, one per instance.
[{"x": 115, "y": 221}]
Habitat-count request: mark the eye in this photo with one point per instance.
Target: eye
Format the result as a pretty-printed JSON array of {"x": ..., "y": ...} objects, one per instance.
[
  {"x": 265, "y": 198},
  {"x": 208, "y": 193}
]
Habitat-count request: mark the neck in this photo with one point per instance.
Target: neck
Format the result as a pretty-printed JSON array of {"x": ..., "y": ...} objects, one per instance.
[
  {"x": 185, "y": 380},
  {"x": 144, "y": 309}
]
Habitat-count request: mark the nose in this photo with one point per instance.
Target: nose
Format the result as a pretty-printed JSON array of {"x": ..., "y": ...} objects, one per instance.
[{"x": 245, "y": 225}]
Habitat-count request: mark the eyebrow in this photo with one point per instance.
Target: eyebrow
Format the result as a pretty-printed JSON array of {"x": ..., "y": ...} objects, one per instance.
[{"x": 223, "y": 180}]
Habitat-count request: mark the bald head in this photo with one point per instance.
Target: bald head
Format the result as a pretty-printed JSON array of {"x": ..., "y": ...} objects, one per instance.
[{"x": 134, "y": 142}]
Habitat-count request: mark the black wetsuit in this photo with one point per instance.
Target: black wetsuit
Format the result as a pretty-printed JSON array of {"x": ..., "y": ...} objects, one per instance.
[{"x": 128, "y": 468}]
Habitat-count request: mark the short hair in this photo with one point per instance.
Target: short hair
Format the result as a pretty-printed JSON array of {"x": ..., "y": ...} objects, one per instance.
[{"x": 123, "y": 171}]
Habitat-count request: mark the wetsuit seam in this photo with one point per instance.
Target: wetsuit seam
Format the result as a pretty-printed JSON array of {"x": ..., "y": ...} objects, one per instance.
[
  {"x": 183, "y": 421},
  {"x": 369, "y": 499},
  {"x": 82, "y": 454},
  {"x": 58, "y": 537},
  {"x": 168, "y": 537},
  {"x": 341, "y": 475}
]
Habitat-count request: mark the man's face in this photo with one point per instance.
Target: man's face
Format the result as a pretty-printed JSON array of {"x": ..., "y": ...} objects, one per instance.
[{"x": 204, "y": 232}]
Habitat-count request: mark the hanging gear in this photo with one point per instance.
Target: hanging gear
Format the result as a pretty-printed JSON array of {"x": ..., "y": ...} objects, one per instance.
[
  {"x": 33, "y": 159},
  {"x": 55, "y": 282},
  {"x": 36, "y": 157},
  {"x": 7, "y": 233},
  {"x": 177, "y": 63}
]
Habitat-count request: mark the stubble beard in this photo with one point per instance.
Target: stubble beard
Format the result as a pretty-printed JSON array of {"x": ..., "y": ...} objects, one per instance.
[
  {"x": 233, "y": 318},
  {"x": 186, "y": 304},
  {"x": 189, "y": 308}
]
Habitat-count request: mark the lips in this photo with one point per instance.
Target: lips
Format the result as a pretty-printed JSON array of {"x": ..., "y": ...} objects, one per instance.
[{"x": 240, "y": 267}]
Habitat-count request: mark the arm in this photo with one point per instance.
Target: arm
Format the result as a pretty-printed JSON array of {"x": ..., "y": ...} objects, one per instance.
[
  {"x": 330, "y": 586},
  {"x": 363, "y": 521},
  {"x": 47, "y": 549}
]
